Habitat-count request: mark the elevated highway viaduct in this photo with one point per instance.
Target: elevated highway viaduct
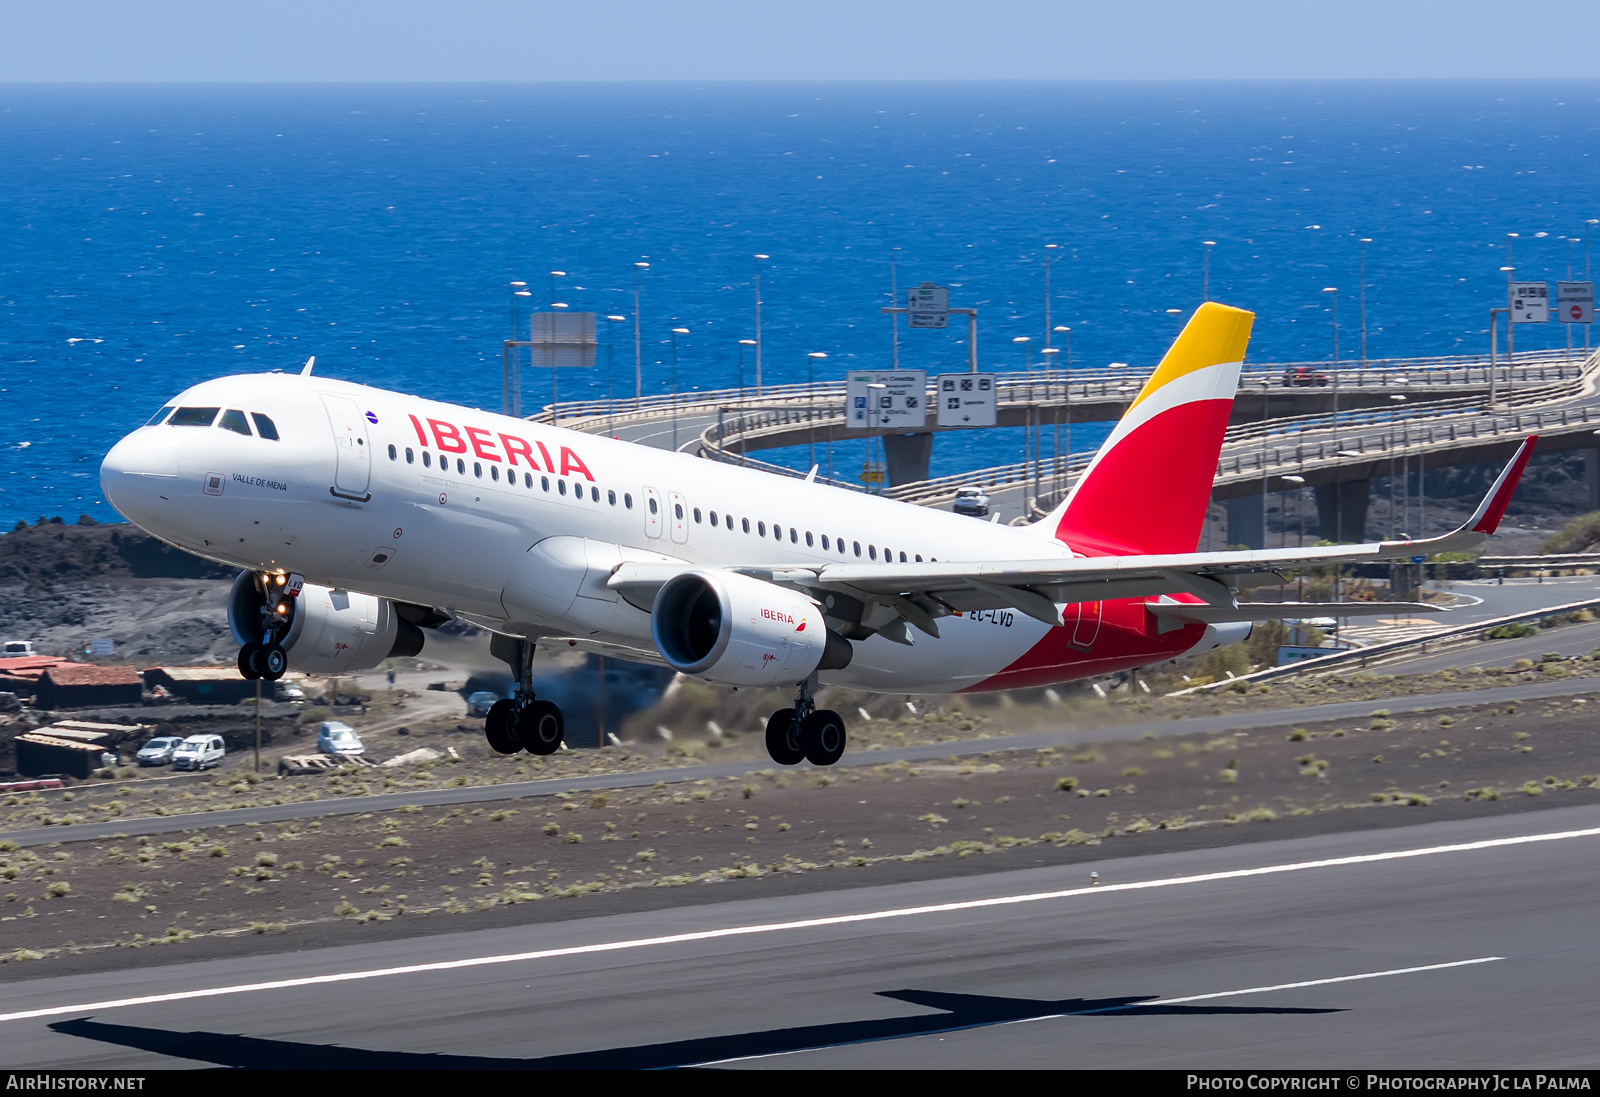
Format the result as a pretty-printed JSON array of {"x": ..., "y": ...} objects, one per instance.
[{"x": 1390, "y": 417}]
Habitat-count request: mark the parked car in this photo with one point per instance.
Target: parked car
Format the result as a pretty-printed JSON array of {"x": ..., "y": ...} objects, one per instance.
[
  {"x": 19, "y": 647},
  {"x": 158, "y": 751},
  {"x": 481, "y": 702},
  {"x": 334, "y": 737},
  {"x": 973, "y": 502},
  {"x": 198, "y": 752},
  {"x": 286, "y": 690},
  {"x": 1303, "y": 377}
]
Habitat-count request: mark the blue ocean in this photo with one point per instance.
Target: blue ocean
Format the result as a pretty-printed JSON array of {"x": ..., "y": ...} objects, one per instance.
[{"x": 152, "y": 237}]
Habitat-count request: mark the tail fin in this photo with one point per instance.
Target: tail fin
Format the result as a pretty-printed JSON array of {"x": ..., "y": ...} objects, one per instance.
[{"x": 1148, "y": 488}]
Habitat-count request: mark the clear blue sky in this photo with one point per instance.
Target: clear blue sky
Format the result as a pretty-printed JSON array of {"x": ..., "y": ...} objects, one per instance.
[{"x": 410, "y": 40}]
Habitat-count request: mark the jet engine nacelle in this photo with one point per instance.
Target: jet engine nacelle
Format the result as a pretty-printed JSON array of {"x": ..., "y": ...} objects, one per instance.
[
  {"x": 330, "y": 631},
  {"x": 738, "y": 631}
]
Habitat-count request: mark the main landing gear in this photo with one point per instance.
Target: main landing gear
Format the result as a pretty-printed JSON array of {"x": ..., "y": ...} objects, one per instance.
[
  {"x": 266, "y": 658},
  {"x": 522, "y": 722},
  {"x": 805, "y": 732}
]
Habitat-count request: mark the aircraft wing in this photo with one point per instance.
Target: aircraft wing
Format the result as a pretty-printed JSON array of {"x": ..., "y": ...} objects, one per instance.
[{"x": 920, "y": 593}]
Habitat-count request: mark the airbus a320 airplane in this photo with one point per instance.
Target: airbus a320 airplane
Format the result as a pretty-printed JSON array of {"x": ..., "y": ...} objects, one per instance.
[{"x": 364, "y": 517}]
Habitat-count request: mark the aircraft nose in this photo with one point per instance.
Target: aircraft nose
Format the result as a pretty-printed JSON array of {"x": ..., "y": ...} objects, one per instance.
[{"x": 137, "y": 473}]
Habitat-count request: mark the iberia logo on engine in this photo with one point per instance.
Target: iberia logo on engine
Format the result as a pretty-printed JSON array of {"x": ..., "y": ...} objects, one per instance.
[{"x": 777, "y": 615}]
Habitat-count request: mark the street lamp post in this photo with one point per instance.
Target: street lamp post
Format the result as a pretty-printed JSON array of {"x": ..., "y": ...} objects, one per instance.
[
  {"x": 1266, "y": 388},
  {"x": 759, "y": 259},
  {"x": 894, "y": 317},
  {"x": 1205, "y": 269},
  {"x": 1335, "y": 291},
  {"x": 554, "y": 399},
  {"x": 638, "y": 359},
  {"x": 811, "y": 362},
  {"x": 1588, "y": 226},
  {"x": 1028, "y": 440},
  {"x": 1049, "y": 257},
  {"x": 675, "y": 333},
  {"x": 611, "y": 347},
  {"x": 742, "y": 344},
  {"x": 1064, "y": 415},
  {"x": 511, "y": 392},
  {"x": 1494, "y": 367},
  {"x": 1365, "y": 240},
  {"x": 1511, "y": 327}
]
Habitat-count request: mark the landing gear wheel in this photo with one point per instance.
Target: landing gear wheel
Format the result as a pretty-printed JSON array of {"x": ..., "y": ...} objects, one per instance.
[
  {"x": 783, "y": 738},
  {"x": 247, "y": 657},
  {"x": 273, "y": 661},
  {"x": 540, "y": 728},
  {"x": 822, "y": 737},
  {"x": 499, "y": 727}
]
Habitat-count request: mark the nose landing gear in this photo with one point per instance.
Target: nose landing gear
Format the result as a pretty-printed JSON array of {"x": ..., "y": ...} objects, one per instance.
[
  {"x": 805, "y": 732},
  {"x": 267, "y": 659},
  {"x": 522, "y": 722}
]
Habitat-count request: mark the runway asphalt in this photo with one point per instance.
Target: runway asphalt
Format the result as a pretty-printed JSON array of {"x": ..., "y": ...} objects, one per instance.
[
  {"x": 1466, "y": 944},
  {"x": 1219, "y": 724}
]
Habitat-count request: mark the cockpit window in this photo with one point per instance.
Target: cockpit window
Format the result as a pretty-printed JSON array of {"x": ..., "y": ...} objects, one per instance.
[
  {"x": 160, "y": 415},
  {"x": 265, "y": 427},
  {"x": 193, "y": 417},
  {"x": 233, "y": 419}
]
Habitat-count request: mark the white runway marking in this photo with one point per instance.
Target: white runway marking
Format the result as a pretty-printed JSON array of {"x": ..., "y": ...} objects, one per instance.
[
  {"x": 806, "y": 923},
  {"x": 1294, "y": 986},
  {"x": 1147, "y": 1004}
]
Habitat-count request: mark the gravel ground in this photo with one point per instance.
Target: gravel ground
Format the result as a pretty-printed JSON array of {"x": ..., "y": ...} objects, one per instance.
[{"x": 83, "y": 906}]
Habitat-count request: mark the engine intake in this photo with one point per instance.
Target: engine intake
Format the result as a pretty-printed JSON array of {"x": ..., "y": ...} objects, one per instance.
[
  {"x": 739, "y": 631},
  {"x": 330, "y": 631}
]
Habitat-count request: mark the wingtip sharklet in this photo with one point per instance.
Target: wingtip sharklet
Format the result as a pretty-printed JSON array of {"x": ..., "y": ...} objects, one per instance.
[{"x": 1486, "y": 519}]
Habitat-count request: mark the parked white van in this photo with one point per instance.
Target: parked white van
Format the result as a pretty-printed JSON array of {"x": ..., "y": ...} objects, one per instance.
[{"x": 198, "y": 752}]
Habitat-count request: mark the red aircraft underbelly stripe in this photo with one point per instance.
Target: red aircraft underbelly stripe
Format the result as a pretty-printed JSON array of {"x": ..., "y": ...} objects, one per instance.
[{"x": 1127, "y": 639}]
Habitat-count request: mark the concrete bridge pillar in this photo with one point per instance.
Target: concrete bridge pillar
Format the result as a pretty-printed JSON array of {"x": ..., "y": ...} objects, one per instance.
[
  {"x": 1591, "y": 476},
  {"x": 1342, "y": 510},
  {"x": 1247, "y": 523},
  {"x": 907, "y": 456}
]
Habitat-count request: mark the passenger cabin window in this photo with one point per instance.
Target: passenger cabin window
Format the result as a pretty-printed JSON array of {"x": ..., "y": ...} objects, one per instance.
[
  {"x": 265, "y": 427},
  {"x": 594, "y": 495},
  {"x": 611, "y": 497},
  {"x": 652, "y": 506},
  {"x": 394, "y": 454},
  {"x": 494, "y": 473},
  {"x": 857, "y": 546},
  {"x": 193, "y": 417},
  {"x": 544, "y": 482},
  {"x": 761, "y": 529},
  {"x": 477, "y": 469},
  {"x": 713, "y": 517},
  {"x": 697, "y": 516},
  {"x": 233, "y": 420},
  {"x": 627, "y": 500},
  {"x": 745, "y": 524},
  {"x": 427, "y": 460},
  {"x": 527, "y": 480},
  {"x": 824, "y": 542},
  {"x": 160, "y": 415},
  {"x": 872, "y": 551},
  {"x": 461, "y": 467},
  {"x": 561, "y": 486},
  {"x": 794, "y": 536},
  {"x": 410, "y": 456},
  {"x": 808, "y": 538}
]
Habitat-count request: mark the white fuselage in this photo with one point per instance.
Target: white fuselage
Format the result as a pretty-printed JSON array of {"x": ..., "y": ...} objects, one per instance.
[{"x": 515, "y": 525}]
